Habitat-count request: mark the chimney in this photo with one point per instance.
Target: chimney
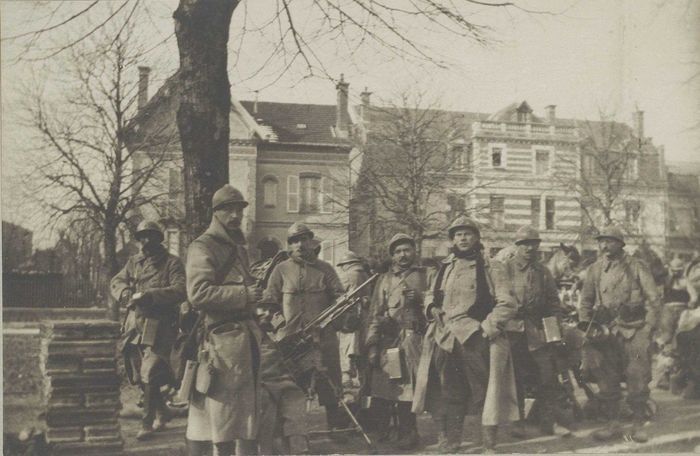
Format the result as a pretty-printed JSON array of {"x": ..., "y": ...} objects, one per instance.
[
  {"x": 639, "y": 124},
  {"x": 364, "y": 96},
  {"x": 341, "y": 118},
  {"x": 551, "y": 113},
  {"x": 144, "y": 71}
]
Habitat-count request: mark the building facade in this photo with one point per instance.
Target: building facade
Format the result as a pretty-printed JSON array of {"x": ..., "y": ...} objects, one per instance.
[{"x": 289, "y": 160}]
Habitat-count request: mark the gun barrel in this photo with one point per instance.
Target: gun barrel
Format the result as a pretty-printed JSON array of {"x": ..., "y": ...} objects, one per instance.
[{"x": 348, "y": 299}]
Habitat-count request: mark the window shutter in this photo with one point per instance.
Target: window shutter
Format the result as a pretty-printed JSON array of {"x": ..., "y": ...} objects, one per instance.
[
  {"x": 292, "y": 193},
  {"x": 325, "y": 196}
]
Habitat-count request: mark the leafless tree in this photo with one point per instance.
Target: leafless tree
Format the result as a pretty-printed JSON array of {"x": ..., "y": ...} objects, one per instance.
[
  {"x": 83, "y": 169},
  {"x": 609, "y": 166},
  {"x": 202, "y": 32},
  {"x": 415, "y": 174}
]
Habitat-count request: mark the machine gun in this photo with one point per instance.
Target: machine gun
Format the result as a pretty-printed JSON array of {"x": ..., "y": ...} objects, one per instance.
[{"x": 299, "y": 349}]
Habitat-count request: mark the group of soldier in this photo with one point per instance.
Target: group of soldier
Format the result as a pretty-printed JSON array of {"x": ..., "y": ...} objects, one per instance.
[{"x": 468, "y": 337}]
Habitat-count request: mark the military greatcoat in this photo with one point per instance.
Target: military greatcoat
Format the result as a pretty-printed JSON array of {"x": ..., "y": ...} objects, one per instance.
[
  {"x": 396, "y": 323},
  {"x": 162, "y": 277},
  {"x": 217, "y": 285}
]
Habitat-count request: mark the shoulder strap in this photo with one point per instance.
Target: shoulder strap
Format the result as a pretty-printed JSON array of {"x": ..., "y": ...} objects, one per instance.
[{"x": 440, "y": 276}]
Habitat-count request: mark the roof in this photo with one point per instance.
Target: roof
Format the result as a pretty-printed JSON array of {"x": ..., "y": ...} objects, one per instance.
[{"x": 296, "y": 122}]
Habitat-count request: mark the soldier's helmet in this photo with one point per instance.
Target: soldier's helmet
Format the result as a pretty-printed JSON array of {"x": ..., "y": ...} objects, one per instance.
[
  {"x": 149, "y": 226},
  {"x": 400, "y": 238},
  {"x": 227, "y": 195},
  {"x": 676, "y": 264},
  {"x": 611, "y": 232},
  {"x": 462, "y": 222},
  {"x": 525, "y": 234},
  {"x": 349, "y": 258},
  {"x": 298, "y": 229}
]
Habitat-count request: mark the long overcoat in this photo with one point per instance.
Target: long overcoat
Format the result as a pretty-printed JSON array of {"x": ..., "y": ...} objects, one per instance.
[
  {"x": 305, "y": 289},
  {"x": 217, "y": 285},
  {"x": 162, "y": 277},
  {"x": 500, "y": 404},
  {"x": 395, "y": 323}
]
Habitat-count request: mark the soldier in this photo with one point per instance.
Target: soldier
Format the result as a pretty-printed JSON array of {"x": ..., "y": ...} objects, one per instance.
[
  {"x": 224, "y": 405},
  {"x": 619, "y": 292},
  {"x": 395, "y": 334},
  {"x": 464, "y": 342},
  {"x": 352, "y": 334},
  {"x": 535, "y": 293},
  {"x": 305, "y": 286},
  {"x": 152, "y": 284}
]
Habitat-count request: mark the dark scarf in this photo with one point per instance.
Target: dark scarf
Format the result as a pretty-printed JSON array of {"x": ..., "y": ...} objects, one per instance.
[{"x": 484, "y": 301}]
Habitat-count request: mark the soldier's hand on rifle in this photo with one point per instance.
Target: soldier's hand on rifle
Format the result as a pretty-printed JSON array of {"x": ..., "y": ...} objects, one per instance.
[{"x": 373, "y": 356}]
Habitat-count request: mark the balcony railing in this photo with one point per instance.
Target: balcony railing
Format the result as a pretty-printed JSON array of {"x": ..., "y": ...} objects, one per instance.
[{"x": 487, "y": 126}]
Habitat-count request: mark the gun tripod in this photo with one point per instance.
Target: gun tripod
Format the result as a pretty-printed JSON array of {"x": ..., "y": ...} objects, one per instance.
[{"x": 317, "y": 375}]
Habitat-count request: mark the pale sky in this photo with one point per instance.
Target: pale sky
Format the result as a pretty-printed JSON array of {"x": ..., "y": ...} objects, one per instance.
[{"x": 587, "y": 56}]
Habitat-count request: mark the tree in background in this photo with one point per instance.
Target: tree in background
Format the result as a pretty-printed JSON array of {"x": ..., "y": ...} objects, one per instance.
[
  {"x": 415, "y": 171},
  {"x": 83, "y": 169}
]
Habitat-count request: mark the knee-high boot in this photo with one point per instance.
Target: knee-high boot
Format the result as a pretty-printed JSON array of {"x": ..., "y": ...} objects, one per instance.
[{"x": 408, "y": 429}]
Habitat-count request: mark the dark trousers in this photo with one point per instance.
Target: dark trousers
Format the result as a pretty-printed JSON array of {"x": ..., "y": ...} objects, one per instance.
[
  {"x": 464, "y": 376},
  {"x": 619, "y": 359},
  {"x": 153, "y": 402},
  {"x": 534, "y": 371}
]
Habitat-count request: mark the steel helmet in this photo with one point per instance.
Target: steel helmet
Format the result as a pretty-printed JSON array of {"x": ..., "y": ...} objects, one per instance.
[
  {"x": 400, "y": 238},
  {"x": 676, "y": 264},
  {"x": 611, "y": 232},
  {"x": 462, "y": 222},
  {"x": 147, "y": 226},
  {"x": 349, "y": 258},
  {"x": 227, "y": 195},
  {"x": 298, "y": 229},
  {"x": 525, "y": 234}
]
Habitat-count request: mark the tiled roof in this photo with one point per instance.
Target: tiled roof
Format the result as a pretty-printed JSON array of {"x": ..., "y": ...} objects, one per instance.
[{"x": 296, "y": 123}]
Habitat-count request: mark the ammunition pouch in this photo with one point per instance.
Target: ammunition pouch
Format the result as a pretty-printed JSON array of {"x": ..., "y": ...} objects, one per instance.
[{"x": 630, "y": 313}]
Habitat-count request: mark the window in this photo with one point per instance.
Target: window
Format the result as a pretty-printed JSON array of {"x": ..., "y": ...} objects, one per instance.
[
  {"x": 549, "y": 213},
  {"x": 588, "y": 165},
  {"x": 541, "y": 162},
  {"x": 270, "y": 191},
  {"x": 496, "y": 157},
  {"x": 673, "y": 220},
  {"x": 456, "y": 205},
  {"x": 326, "y": 196},
  {"x": 496, "y": 210},
  {"x": 632, "y": 169},
  {"x": 328, "y": 251},
  {"x": 309, "y": 186},
  {"x": 292, "y": 193},
  {"x": 632, "y": 211},
  {"x": 457, "y": 156},
  {"x": 535, "y": 203},
  {"x": 173, "y": 242}
]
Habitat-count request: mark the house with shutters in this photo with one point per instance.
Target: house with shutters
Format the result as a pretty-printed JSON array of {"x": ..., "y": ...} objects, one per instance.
[
  {"x": 516, "y": 168},
  {"x": 289, "y": 160}
]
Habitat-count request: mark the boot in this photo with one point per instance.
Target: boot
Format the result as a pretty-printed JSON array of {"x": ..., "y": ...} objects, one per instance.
[
  {"x": 454, "y": 424},
  {"x": 488, "y": 436},
  {"x": 441, "y": 424},
  {"x": 408, "y": 430},
  {"x": 145, "y": 432},
  {"x": 638, "y": 433},
  {"x": 613, "y": 428},
  {"x": 519, "y": 430}
]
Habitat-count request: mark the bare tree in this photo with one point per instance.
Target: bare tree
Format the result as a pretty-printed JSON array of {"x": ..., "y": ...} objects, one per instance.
[
  {"x": 609, "y": 164},
  {"x": 202, "y": 31},
  {"x": 84, "y": 169},
  {"x": 415, "y": 170}
]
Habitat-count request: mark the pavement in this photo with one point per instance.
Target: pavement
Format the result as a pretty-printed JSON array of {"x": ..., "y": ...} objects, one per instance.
[{"x": 675, "y": 428}]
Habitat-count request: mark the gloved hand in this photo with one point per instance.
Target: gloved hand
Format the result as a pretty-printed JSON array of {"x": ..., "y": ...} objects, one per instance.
[{"x": 373, "y": 356}]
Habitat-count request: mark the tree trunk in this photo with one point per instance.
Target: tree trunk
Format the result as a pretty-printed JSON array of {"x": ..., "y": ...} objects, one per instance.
[
  {"x": 111, "y": 267},
  {"x": 202, "y": 31}
]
